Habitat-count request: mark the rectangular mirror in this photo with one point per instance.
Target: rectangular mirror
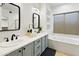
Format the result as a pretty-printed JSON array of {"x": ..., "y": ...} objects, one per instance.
[{"x": 9, "y": 17}]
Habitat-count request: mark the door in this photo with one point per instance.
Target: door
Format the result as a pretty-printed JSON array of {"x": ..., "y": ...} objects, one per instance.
[
  {"x": 59, "y": 23},
  {"x": 28, "y": 50},
  {"x": 71, "y": 23},
  {"x": 16, "y": 53}
]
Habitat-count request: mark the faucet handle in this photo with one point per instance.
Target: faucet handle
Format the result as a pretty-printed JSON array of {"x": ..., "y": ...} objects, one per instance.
[{"x": 17, "y": 36}]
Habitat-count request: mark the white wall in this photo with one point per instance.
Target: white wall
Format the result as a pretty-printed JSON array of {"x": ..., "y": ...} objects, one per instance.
[
  {"x": 43, "y": 17},
  {"x": 0, "y": 17},
  {"x": 49, "y": 14},
  {"x": 64, "y": 8}
]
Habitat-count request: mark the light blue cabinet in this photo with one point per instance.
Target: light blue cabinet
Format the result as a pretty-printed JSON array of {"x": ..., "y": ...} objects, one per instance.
[
  {"x": 16, "y": 53},
  {"x": 40, "y": 45},
  {"x": 28, "y": 50},
  {"x": 24, "y": 51},
  {"x": 43, "y": 44},
  {"x": 44, "y": 41},
  {"x": 37, "y": 47}
]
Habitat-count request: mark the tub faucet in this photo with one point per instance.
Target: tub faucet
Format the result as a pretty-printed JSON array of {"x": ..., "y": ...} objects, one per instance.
[{"x": 13, "y": 35}]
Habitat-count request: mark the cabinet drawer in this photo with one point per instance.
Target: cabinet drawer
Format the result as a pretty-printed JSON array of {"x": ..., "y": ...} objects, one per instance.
[
  {"x": 37, "y": 42},
  {"x": 38, "y": 49}
]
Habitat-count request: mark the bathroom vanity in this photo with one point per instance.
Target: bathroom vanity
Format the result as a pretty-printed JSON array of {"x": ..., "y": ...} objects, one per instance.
[{"x": 33, "y": 46}]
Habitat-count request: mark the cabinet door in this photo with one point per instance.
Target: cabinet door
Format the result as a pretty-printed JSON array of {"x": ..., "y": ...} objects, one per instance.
[
  {"x": 16, "y": 53},
  {"x": 43, "y": 43},
  {"x": 28, "y": 50},
  {"x": 71, "y": 23},
  {"x": 59, "y": 23}
]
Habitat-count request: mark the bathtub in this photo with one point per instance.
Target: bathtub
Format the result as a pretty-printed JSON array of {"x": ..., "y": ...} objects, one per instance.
[{"x": 65, "y": 44}]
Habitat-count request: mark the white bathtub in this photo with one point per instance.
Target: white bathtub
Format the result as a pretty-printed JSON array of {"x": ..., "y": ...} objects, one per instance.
[{"x": 64, "y": 44}]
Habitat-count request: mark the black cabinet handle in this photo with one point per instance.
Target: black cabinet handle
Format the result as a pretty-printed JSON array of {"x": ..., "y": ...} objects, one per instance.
[
  {"x": 24, "y": 48},
  {"x": 19, "y": 50}
]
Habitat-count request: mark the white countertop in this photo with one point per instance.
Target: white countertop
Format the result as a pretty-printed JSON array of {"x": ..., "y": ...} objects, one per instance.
[{"x": 26, "y": 40}]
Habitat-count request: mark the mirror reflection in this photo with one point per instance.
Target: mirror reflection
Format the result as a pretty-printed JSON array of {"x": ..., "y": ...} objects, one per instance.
[
  {"x": 36, "y": 21},
  {"x": 9, "y": 16}
]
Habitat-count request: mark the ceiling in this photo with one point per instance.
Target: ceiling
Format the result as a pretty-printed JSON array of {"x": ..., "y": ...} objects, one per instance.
[{"x": 54, "y": 5}]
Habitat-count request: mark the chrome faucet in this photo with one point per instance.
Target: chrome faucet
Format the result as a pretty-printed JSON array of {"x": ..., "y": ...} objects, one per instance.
[{"x": 13, "y": 35}]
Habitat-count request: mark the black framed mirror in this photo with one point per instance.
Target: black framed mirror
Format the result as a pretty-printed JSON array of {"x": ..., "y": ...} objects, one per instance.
[
  {"x": 9, "y": 17},
  {"x": 36, "y": 21}
]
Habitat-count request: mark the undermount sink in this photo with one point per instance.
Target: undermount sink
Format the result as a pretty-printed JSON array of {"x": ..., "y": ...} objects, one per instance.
[{"x": 11, "y": 43}]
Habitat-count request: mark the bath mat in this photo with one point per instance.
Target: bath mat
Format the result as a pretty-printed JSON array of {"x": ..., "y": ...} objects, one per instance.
[{"x": 49, "y": 52}]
